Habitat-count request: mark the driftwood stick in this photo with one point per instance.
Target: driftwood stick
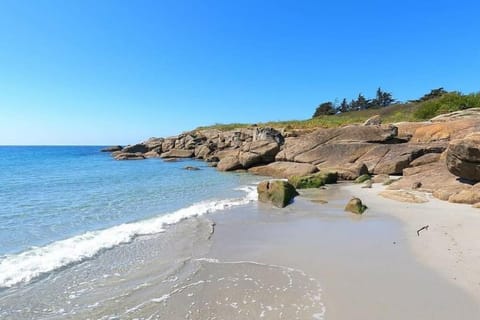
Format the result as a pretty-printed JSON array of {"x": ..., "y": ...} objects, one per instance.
[{"x": 421, "y": 229}]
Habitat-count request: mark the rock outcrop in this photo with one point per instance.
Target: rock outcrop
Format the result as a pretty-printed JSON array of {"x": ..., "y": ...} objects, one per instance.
[
  {"x": 283, "y": 169},
  {"x": 463, "y": 157},
  {"x": 441, "y": 156},
  {"x": 277, "y": 192}
]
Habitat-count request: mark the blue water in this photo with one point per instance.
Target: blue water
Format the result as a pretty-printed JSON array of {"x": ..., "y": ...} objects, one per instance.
[{"x": 53, "y": 193}]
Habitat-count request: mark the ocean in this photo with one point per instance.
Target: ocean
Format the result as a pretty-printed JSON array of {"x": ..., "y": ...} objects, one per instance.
[{"x": 61, "y": 205}]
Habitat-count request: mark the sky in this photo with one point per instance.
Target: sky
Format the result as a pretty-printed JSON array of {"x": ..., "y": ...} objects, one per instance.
[{"x": 117, "y": 72}]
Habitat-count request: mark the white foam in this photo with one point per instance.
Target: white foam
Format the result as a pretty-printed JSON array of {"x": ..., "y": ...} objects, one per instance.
[{"x": 27, "y": 265}]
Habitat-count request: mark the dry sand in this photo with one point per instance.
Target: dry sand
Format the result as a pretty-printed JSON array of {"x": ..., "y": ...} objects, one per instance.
[
  {"x": 450, "y": 246},
  {"x": 367, "y": 267}
]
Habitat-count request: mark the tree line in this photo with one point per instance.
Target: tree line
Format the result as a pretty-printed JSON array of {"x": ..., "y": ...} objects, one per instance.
[{"x": 381, "y": 99}]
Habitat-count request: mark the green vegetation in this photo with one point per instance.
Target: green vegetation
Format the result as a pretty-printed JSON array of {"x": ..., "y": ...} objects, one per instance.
[
  {"x": 446, "y": 103},
  {"x": 363, "y": 178},
  {"x": 434, "y": 103},
  {"x": 314, "y": 180}
]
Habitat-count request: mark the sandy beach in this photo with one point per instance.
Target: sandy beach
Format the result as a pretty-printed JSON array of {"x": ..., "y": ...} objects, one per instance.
[{"x": 368, "y": 267}]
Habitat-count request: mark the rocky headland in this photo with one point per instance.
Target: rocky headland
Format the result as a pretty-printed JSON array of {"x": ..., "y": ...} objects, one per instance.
[{"x": 440, "y": 156}]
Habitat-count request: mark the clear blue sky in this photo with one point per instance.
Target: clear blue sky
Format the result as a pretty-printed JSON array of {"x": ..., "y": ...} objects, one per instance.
[{"x": 105, "y": 72}]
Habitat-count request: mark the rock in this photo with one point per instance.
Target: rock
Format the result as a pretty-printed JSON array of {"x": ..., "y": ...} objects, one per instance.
[
  {"x": 112, "y": 149},
  {"x": 465, "y": 196},
  {"x": 407, "y": 129},
  {"x": 154, "y": 143},
  {"x": 425, "y": 159},
  {"x": 168, "y": 144},
  {"x": 258, "y": 152},
  {"x": 392, "y": 159},
  {"x": 311, "y": 147},
  {"x": 315, "y": 180},
  {"x": 268, "y": 134},
  {"x": 348, "y": 171},
  {"x": 278, "y": 192},
  {"x": 367, "y": 184},
  {"x": 356, "y": 206},
  {"x": 472, "y": 113},
  {"x": 136, "y": 148},
  {"x": 435, "y": 178},
  {"x": 282, "y": 169},
  {"x": 170, "y": 160},
  {"x": 129, "y": 156},
  {"x": 403, "y": 196},
  {"x": 380, "y": 178},
  {"x": 151, "y": 154},
  {"x": 229, "y": 163},
  {"x": 202, "y": 152},
  {"x": 463, "y": 157},
  {"x": 445, "y": 131},
  {"x": 373, "y": 121},
  {"x": 476, "y": 205},
  {"x": 213, "y": 164},
  {"x": 389, "y": 182},
  {"x": 469, "y": 196},
  {"x": 191, "y": 168},
  {"x": 177, "y": 153},
  {"x": 363, "y": 178},
  {"x": 416, "y": 185}
]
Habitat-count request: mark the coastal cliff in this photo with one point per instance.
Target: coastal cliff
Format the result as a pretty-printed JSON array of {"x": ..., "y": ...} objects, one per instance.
[{"x": 440, "y": 156}]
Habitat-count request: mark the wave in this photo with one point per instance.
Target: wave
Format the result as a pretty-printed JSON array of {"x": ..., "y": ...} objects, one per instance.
[{"x": 25, "y": 266}]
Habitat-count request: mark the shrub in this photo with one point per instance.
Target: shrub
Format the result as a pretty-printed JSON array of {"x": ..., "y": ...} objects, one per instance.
[{"x": 448, "y": 102}]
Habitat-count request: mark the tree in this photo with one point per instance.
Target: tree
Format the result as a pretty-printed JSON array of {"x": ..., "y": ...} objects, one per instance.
[
  {"x": 434, "y": 93},
  {"x": 326, "y": 108},
  {"x": 382, "y": 99},
  {"x": 362, "y": 102},
  {"x": 344, "y": 106}
]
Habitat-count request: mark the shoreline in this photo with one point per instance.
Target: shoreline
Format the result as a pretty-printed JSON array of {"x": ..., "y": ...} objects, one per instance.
[{"x": 342, "y": 265}]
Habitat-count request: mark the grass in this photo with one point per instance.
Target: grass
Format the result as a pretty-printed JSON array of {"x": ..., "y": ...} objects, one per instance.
[{"x": 413, "y": 111}]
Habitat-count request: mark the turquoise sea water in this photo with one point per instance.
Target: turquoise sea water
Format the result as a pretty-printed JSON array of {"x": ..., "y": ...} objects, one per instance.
[{"x": 59, "y": 205}]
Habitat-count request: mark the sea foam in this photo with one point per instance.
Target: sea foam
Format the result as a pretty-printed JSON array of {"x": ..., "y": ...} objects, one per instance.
[{"x": 25, "y": 266}]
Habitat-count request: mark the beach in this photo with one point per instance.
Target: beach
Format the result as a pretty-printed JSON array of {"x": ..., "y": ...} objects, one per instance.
[
  {"x": 369, "y": 267},
  {"x": 310, "y": 260}
]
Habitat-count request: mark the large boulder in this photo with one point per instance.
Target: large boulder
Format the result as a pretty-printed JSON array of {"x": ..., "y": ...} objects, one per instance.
[
  {"x": 283, "y": 169},
  {"x": 434, "y": 178},
  {"x": 469, "y": 196},
  {"x": 136, "y": 148},
  {"x": 278, "y": 192},
  {"x": 346, "y": 171},
  {"x": 258, "y": 152},
  {"x": 154, "y": 144},
  {"x": 445, "y": 131},
  {"x": 463, "y": 157},
  {"x": 202, "y": 151},
  {"x": 177, "y": 153},
  {"x": 309, "y": 147},
  {"x": 229, "y": 163},
  {"x": 407, "y": 129},
  {"x": 315, "y": 180}
]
